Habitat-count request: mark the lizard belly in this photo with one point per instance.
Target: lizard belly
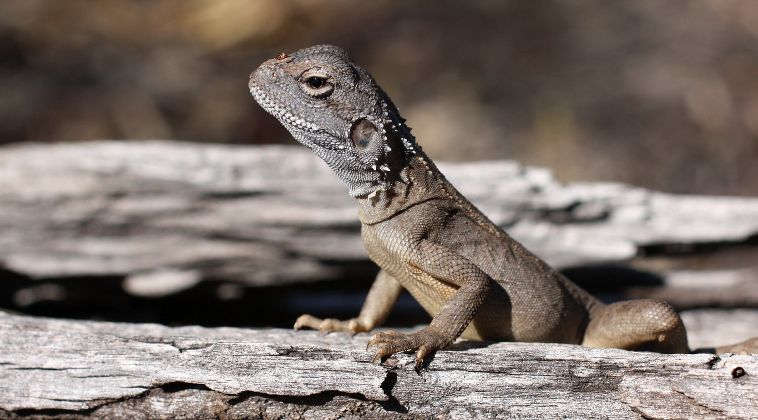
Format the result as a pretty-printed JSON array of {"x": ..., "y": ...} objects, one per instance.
[
  {"x": 492, "y": 321},
  {"x": 526, "y": 300}
]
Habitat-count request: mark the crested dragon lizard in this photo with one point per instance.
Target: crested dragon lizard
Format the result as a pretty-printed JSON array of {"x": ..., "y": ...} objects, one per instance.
[{"x": 468, "y": 274}]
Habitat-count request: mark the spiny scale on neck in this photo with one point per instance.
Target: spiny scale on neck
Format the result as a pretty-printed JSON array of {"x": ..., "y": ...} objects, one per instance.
[
  {"x": 395, "y": 123},
  {"x": 434, "y": 179}
]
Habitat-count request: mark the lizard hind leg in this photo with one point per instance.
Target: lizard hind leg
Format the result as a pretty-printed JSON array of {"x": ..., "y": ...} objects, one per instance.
[{"x": 644, "y": 324}]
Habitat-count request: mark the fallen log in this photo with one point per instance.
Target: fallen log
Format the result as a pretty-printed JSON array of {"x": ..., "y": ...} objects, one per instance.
[
  {"x": 175, "y": 213},
  {"x": 85, "y": 369}
]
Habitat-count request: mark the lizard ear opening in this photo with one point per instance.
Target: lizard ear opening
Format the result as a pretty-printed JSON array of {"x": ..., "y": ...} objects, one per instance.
[
  {"x": 367, "y": 140},
  {"x": 362, "y": 133}
]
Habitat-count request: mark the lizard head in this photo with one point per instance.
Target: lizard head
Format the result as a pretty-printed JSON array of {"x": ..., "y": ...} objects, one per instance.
[{"x": 337, "y": 110}]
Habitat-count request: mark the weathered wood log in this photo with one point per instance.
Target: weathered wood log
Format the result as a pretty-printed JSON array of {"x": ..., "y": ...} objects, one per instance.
[
  {"x": 704, "y": 288},
  {"x": 87, "y": 369},
  {"x": 169, "y": 214}
]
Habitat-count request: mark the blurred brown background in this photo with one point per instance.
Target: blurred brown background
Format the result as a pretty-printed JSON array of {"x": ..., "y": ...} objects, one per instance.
[{"x": 660, "y": 94}]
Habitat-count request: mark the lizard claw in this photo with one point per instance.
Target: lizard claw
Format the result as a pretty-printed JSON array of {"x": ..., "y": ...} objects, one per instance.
[
  {"x": 379, "y": 338},
  {"x": 425, "y": 342},
  {"x": 421, "y": 356}
]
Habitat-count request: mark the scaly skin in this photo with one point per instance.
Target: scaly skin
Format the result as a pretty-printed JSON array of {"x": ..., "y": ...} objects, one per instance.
[{"x": 474, "y": 279}]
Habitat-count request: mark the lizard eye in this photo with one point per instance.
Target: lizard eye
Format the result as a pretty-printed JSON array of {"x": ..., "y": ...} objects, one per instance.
[{"x": 316, "y": 83}]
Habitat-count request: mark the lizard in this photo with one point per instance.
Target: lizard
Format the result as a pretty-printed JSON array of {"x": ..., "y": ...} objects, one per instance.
[{"x": 475, "y": 280}]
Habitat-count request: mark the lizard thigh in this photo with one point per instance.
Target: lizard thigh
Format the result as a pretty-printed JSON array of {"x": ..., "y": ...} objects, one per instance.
[{"x": 647, "y": 324}]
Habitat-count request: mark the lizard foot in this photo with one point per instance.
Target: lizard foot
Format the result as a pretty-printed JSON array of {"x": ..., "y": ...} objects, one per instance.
[
  {"x": 749, "y": 346},
  {"x": 325, "y": 326},
  {"x": 424, "y": 342}
]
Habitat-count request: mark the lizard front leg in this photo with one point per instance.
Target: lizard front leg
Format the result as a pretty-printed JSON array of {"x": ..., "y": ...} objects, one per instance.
[
  {"x": 444, "y": 270},
  {"x": 376, "y": 308}
]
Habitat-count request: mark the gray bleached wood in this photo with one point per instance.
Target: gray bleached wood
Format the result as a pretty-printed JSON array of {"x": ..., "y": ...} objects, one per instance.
[
  {"x": 98, "y": 370},
  {"x": 272, "y": 214}
]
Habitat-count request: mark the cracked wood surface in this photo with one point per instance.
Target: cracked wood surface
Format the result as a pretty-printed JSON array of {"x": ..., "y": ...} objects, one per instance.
[
  {"x": 83, "y": 369},
  {"x": 175, "y": 213}
]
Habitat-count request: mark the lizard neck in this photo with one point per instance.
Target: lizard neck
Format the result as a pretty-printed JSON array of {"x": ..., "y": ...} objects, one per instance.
[{"x": 418, "y": 181}]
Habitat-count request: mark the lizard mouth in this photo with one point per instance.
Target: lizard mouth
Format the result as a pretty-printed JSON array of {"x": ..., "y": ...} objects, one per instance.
[{"x": 280, "y": 112}]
